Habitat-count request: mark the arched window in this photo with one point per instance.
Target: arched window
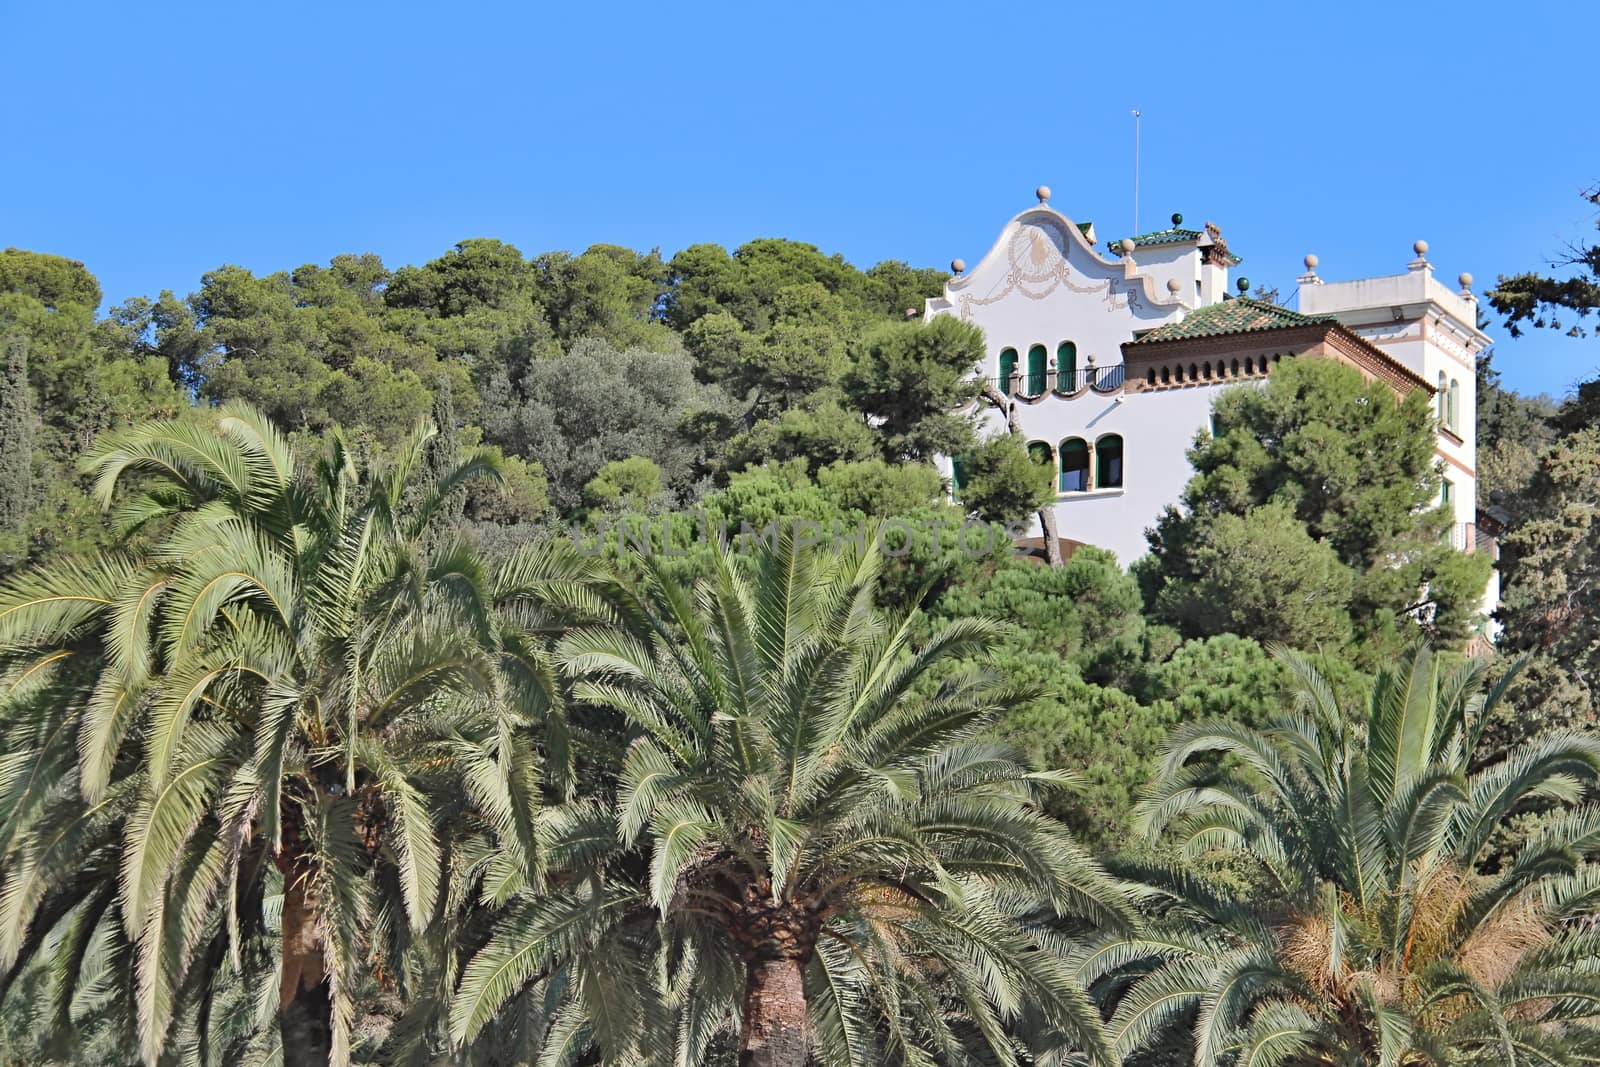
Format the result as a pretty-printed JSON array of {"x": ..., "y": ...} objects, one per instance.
[
  {"x": 1235, "y": 371},
  {"x": 1036, "y": 371},
  {"x": 1442, "y": 398},
  {"x": 1108, "y": 462},
  {"x": 1008, "y": 369},
  {"x": 1194, "y": 372},
  {"x": 1074, "y": 466},
  {"x": 1206, "y": 370},
  {"x": 1066, "y": 367},
  {"x": 1150, "y": 377},
  {"x": 1454, "y": 411},
  {"x": 1039, "y": 452},
  {"x": 1249, "y": 365},
  {"x": 1166, "y": 376},
  {"x": 1177, "y": 374}
]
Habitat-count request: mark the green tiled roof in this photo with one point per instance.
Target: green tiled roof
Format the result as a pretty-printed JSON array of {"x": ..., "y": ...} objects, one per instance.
[
  {"x": 1242, "y": 315},
  {"x": 1171, "y": 236}
]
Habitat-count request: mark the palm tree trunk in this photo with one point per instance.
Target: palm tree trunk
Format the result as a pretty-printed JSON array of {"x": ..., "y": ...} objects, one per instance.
[
  {"x": 774, "y": 1031},
  {"x": 305, "y": 1007}
]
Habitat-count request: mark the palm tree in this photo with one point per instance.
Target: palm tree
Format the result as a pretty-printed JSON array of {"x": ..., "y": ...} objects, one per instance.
[
  {"x": 811, "y": 849},
  {"x": 273, "y": 722},
  {"x": 1360, "y": 914}
]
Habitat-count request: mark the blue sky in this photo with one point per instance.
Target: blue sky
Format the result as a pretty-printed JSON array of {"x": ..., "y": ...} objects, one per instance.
[{"x": 157, "y": 142}]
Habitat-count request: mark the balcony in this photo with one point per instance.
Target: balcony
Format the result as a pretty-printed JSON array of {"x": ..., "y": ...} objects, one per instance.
[{"x": 1104, "y": 380}]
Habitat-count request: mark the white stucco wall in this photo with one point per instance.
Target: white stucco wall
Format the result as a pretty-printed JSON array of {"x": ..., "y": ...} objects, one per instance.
[{"x": 1157, "y": 429}]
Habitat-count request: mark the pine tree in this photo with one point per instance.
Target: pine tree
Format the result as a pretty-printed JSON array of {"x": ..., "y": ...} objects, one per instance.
[{"x": 16, "y": 436}]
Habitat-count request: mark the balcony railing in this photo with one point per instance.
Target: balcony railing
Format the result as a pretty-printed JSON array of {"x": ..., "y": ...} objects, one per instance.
[{"x": 1064, "y": 383}]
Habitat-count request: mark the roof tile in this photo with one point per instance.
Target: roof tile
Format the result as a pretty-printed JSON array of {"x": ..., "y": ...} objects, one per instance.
[
  {"x": 1241, "y": 315},
  {"x": 1171, "y": 236}
]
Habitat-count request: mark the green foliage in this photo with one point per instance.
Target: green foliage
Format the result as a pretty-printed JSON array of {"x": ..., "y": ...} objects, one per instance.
[
  {"x": 608, "y": 292},
  {"x": 1512, "y": 430},
  {"x": 624, "y": 484},
  {"x": 1260, "y": 574},
  {"x": 879, "y": 489},
  {"x": 287, "y": 671},
  {"x": 77, "y": 379},
  {"x": 821, "y": 432},
  {"x": 1003, "y": 483},
  {"x": 1552, "y": 558},
  {"x": 1328, "y": 474},
  {"x": 16, "y": 442},
  {"x": 1366, "y": 927},
  {"x": 911, "y": 379},
  {"x": 803, "y": 840},
  {"x": 1545, "y": 302},
  {"x": 594, "y": 405}
]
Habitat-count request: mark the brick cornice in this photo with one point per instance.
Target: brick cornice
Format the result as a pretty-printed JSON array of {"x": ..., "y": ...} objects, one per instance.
[{"x": 1341, "y": 342}]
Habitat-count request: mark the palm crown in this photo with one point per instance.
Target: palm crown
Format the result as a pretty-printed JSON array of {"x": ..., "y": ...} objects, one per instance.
[
  {"x": 809, "y": 842},
  {"x": 292, "y": 670},
  {"x": 1373, "y": 929}
]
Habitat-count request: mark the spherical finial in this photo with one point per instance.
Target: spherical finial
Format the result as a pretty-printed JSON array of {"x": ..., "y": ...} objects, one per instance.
[
  {"x": 1465, "y": 280},
  {"x": 1177, "y": 218},
  {"x": 1173, "y": 285},
  {"x": 1311, "y": 262},
  {"x": 1127, "y": 246},
  {"x": 1043, "y": 193},
  {"x": 1243, "y": 285},
  {"x": 1420, "y": 248},
  {"x": 958, "y": 265}
]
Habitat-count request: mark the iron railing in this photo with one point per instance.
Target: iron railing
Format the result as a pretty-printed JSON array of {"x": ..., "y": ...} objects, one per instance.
[{"x": 1063, "y": 383}]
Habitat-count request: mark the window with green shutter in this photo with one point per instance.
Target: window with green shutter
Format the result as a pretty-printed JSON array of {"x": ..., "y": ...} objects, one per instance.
[
  {"x": 1074, "y": 476},
  {"x": 1067, "y": 368},
  {"x": 1008, "y": 369},
  {"x": 1036, "y": 370},
  {"x": 1108, "y": 462}
]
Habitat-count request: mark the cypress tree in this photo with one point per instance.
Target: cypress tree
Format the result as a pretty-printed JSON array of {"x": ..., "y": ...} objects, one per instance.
[{"x": 16, "y": 435}]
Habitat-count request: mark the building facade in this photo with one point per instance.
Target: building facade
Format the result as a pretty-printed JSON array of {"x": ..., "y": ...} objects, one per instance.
[{"x": 1109, "y": 360}]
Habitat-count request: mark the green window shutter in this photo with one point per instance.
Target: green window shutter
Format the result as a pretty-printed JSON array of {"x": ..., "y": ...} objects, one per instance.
[
  {"x": 1067, "y": 367},
  {"x": 1074, "y": 477},
  {"x": 1108, "y": 462},
  {"x": 1036, "y": 370},
  {"x": 1008, "y": 369},
  {"x": 958, "y": 477}
]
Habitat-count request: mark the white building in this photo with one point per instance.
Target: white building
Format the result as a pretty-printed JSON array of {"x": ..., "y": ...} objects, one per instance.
[{"x": 1111, "y": 361}]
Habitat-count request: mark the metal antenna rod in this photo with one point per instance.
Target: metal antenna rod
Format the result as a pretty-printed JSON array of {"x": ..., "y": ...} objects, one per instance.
[{"x": 1136, "y": 116}]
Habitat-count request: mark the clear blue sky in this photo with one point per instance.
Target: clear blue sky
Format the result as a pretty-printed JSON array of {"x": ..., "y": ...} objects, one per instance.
[{"x": 157, "y": 142}]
